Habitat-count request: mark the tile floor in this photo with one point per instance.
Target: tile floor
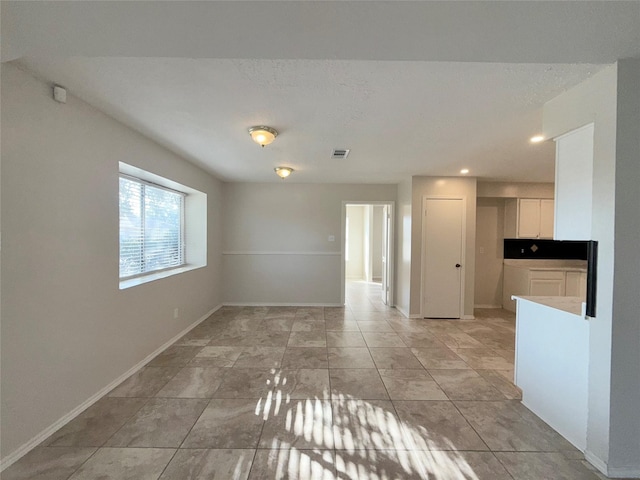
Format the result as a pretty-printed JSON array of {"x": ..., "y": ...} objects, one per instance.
[{"x": 317, "y": 393}]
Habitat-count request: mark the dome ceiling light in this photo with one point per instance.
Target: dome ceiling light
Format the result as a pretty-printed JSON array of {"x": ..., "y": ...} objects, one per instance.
[
  {"x": 263, "y": 135},
  {"x": 283, "y": 172}
]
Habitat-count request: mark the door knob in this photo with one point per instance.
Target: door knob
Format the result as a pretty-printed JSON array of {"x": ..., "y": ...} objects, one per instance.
[{"x": 458, "y": 265}]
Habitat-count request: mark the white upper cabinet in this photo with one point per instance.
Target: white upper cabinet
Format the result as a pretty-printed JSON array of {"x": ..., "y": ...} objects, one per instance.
[
  {"x": 574, "y": 184},
  {"x": 528, "y": 218}
]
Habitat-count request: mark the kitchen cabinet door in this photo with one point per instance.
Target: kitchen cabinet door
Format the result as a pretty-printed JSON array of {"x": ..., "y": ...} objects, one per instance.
[
  {"x": 549, "y": 283},
  {"x": 528, "y": 218},
  {"x": 576, "y": 284}
]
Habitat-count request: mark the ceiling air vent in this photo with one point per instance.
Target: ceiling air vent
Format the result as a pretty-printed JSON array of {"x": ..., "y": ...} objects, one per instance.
[{"x": 340, "y": 153}]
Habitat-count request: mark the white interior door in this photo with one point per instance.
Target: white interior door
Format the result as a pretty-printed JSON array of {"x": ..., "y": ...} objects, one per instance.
[
  {"x": 385, "y": 254},
  {"x": 442, "y": 269}
]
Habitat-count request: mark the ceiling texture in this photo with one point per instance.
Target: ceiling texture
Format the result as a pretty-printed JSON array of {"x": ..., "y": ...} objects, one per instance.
[{"x": 412, "y": 88}]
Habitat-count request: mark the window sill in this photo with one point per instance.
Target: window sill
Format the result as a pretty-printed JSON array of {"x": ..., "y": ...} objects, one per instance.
[{"x": 133, "y": 282}]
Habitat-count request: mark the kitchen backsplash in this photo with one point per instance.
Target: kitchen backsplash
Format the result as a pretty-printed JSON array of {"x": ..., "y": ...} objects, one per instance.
[{"x": 525, "y": 248}]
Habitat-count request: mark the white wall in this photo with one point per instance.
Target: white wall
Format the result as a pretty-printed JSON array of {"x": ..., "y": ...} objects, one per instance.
[
  {"x": 489, "y": 252},
  {"x": 67, "y": 329},
  {"x": 574, "y": 183},
  {"x": 403, "y": 247},
  {"x": 376, "y": 242},
  {"x": 575, "y": 108},
  {"x": 355, "y": 264},
  {"x": 515, "y": 190},
  {"x": 610, "y": 100},
  {"x": 275, "y": 240},
  {"x": 443, "y": 186},
  {"x": 625, "y": 359},
  {"x": 366, "y": 241}
]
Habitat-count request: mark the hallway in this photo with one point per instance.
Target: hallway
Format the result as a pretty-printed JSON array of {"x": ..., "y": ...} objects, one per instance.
[
  {"x": 316, "y": 393},
  {"x": 365, "y": 296}
]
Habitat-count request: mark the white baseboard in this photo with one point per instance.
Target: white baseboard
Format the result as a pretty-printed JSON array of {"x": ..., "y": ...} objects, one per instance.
[
  {"x": 280, "y": 304},
  {"x": 609, "y": 471},
  {"x": 402, "y": 311},
  {"x": 623, "y": 472},
  {"x": 596, "y": 461},
  {"x": 463, "y": 317},
  {"x": 36, "y": 440},
  {"x": 487, "y": 306}
]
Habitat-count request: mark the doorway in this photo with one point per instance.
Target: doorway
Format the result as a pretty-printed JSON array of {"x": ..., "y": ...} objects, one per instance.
[
  {"x": 367, "y": 252},
  {"x": 443, "y": 240}
]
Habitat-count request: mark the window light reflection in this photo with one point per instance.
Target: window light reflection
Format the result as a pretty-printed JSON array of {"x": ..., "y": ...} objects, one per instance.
[{"x": 370, "y": 442}]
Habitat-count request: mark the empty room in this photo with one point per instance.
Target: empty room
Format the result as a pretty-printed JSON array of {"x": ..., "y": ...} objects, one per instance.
[{"x": 320, "y": 240}]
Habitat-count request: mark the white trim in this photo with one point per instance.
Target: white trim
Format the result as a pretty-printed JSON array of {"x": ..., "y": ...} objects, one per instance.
[
  {"x": 467, "y": 317},
  {"x": 487, "y": 306},
  {"x": 571, "y": 132},
  {"x": 280, "y": 304},
  {"x": 259, "y": 252},
  {"x": 611, "y": 472},
  {"x": 37, "y": 439},
  {"x": 402, "y": 311},
  {"x": 596, "y": 461},
  {"x": 133, "y": 178},
  {"x": 415, "y": 315},
  {"x": 153, "y": 276},
  {"x": 624, "y": 472}
]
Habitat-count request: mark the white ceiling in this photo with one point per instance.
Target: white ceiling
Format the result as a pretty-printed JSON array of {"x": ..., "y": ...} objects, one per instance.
[{"x": 412, "y": 88}]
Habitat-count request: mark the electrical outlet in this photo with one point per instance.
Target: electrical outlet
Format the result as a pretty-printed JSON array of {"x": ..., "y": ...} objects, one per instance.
[
  {"x": 175, "y": 313},
  {"x": 481, "y": 250},
  {"x": 332, "y": 238}
]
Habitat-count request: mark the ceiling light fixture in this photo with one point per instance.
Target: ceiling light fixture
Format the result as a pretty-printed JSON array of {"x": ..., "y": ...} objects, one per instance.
[
  {"x": 263, "y": 135},
  {"x": 464, "y": 171},
  {"x": 283, "y": 172},
  {"x": 537, "y": 139}
]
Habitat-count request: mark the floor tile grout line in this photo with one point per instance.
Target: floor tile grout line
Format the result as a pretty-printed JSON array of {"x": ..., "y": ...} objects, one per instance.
[
  {"x": 114, "y": 447},
  {"x": 473, "y": 370},
  {"x": 80, "y": 466},
  {"x": 194, "y": 424},
  {"x": 471, "y": 426},
  {"x": 503, "y": 465},
  {"x": 148, "y": 399},
  {"x": 255, "y": 454},
  {"x": 171, "y": 459}
]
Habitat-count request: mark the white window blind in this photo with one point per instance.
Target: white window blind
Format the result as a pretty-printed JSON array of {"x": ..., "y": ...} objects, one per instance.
[{"x": 151, "y": 227}]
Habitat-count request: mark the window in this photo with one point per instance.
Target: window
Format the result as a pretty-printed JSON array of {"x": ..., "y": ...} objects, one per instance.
[
  {"x": 152, "y": 227},
  {"x": 163, "y": 227}
]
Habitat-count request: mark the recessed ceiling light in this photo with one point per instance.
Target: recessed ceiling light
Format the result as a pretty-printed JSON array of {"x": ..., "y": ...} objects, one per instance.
[
  {"x": 537, "y": 139},
  {"x": 464, "y": 171}
]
